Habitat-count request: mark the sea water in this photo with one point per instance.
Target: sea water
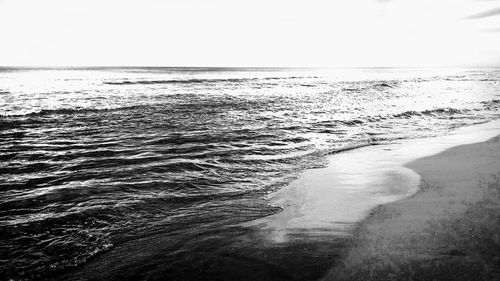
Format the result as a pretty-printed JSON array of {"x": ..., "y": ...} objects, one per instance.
[{"x": 95, "y": 158}]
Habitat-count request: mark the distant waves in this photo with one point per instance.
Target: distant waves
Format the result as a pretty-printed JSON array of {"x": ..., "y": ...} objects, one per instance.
[
  {"x": 197, "y": 81},
  {"x": 90, "y": 159}
]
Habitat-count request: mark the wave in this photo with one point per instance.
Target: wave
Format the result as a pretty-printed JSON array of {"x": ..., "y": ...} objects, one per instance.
[
  {"x": 200, "y": 81},
  {"x": 89, "y": 245},
  {"x": 352, "y": 122},
  {"x": 353, "y": 147},
  {"x": 406, "y": 114},
  {"x": 377, "y": 86},
  {"x": 69, "y": 111},
  {"x": 492, "y": 104},
  {"x": 185, "y": 81},
  {"x": 468, "y": 79},
  {"x": 430, "y": 112},
  {"x": 384, "y": 85}
]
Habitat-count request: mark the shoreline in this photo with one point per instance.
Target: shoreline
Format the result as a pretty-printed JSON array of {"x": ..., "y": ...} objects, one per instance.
[
  {"x": 334, "y": 199},
  {"x": 302, "y": 241},
  {"x": 448, "y": 230}
]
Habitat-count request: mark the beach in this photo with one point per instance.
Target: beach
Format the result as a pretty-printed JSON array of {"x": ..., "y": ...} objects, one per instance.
[
  {"x": 423, "y": 209},
  {"x": 448, "y": 230},
  {"x": 249, "y": 140},
  {"x": 216, "y": 173}
]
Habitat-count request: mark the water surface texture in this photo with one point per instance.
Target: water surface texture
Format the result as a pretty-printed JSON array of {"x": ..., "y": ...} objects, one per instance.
[{"x": 94, "y": 158}]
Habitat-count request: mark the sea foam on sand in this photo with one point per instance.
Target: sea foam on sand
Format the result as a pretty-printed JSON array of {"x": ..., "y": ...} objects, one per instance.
[
  {"x": 447, "y": 231},
  {"x": 332, "y": 200}
]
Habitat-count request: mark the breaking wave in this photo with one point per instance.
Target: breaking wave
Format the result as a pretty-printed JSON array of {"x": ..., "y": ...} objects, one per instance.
[
  {"x": 430, "y": 112},
  {"x": 86, "y": 167},
  {"x": 200, "y": 81}
]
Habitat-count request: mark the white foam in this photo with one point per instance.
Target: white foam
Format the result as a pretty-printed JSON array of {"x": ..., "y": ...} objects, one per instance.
[{"x": 330, "y": 200}]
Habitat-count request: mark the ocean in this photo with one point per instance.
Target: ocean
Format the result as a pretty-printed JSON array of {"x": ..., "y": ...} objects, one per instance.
[{"x": 159, "y": 167}]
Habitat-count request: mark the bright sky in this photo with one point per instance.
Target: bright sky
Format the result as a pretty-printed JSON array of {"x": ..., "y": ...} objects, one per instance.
[{"x": 334, "y": 33}]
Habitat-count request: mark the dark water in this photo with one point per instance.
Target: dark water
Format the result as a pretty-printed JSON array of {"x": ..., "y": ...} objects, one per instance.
[{"x": 158, "y": 166}]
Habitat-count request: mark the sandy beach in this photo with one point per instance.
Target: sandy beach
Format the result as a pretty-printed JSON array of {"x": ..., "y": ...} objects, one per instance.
[
  {"x": 447, "y": 231},
  {"x": 225, "y": 140},
  {"x": 334, "y": 199},
  {"x": 437, "y": 219}
]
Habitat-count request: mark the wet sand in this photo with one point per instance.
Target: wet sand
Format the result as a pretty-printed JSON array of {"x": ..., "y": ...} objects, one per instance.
[
  {"x": 321, "y": 210},
  {"x": 448, "y": 230},
  {"x": 333, "y": 200}
]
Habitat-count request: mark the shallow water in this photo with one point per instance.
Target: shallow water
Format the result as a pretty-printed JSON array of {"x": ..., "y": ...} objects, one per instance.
[
  {"x": 334, "y": 199},
  {"x": 92, "y": 159}
]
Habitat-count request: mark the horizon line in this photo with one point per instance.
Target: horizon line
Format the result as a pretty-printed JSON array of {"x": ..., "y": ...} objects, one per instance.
[{"x": 231, "y": 67}]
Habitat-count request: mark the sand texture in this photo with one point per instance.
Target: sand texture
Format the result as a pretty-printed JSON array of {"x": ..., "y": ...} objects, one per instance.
[{"x": 449, "y": 230}]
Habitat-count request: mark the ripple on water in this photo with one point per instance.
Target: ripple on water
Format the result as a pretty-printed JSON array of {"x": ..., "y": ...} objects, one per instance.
[{"x": 88, "y": 163}]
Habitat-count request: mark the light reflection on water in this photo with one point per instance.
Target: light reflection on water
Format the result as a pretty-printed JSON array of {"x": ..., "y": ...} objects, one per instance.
[
  {"x": 334, "y": 198},
  {"x": 92, "y": 158}
]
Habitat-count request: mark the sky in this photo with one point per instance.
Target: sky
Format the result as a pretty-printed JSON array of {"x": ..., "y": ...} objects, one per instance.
[{"x": 304, "y": 33}]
